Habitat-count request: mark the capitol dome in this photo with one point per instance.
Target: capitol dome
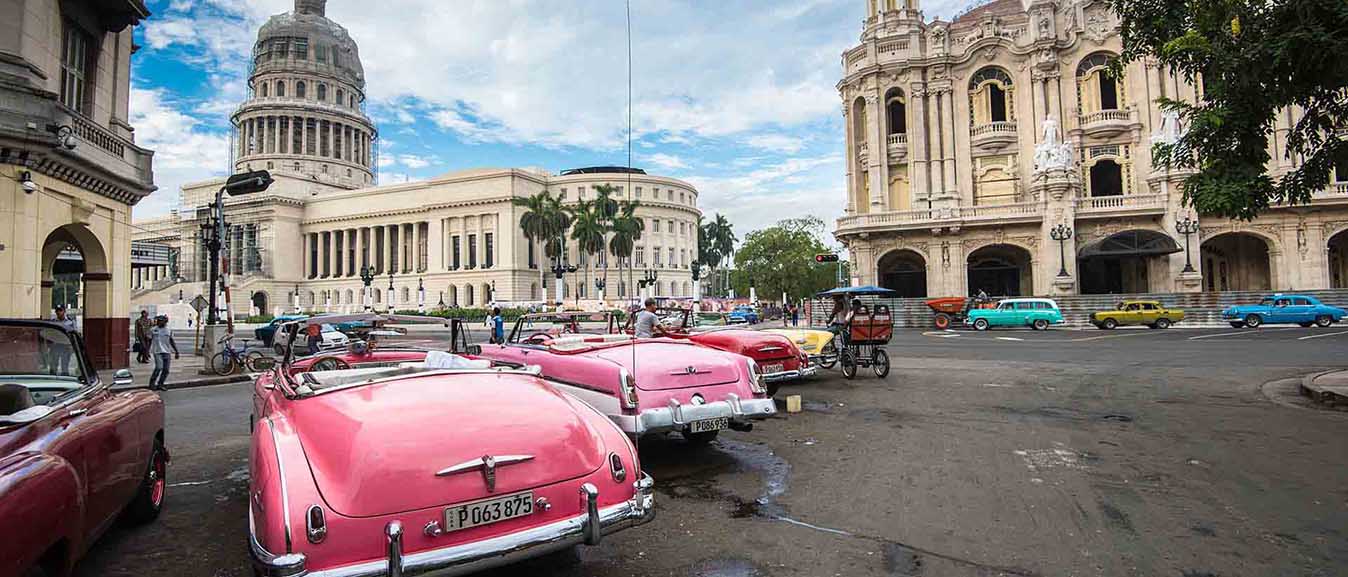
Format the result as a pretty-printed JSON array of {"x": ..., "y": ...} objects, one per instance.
[{"x": 305, "y": 115}]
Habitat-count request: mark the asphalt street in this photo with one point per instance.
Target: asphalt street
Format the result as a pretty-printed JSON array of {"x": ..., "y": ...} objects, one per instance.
[{"x": 1126, "y": 452}]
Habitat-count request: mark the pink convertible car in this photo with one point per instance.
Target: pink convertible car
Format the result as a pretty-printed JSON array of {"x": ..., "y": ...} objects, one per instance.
[
  {"x": 445, "y": 466},
  {"x": 644, "y": 385}
]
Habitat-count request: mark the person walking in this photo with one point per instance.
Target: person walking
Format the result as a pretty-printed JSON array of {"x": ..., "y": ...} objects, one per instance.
[
  {"x": 497, "y": 326},
  {"x": 161, "y": 346},
  {"x": 61, "y": 351},
  {"x": 795, "y": 315},
  {"x": 143, "y": 326}
]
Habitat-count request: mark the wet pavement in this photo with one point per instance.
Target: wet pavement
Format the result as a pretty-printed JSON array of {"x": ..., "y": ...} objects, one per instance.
[{"x": 1154, "y": 454}]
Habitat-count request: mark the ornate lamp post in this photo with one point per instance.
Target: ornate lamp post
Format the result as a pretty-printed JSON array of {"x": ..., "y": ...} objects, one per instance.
[
  {"x": 648, "y": 279},
  {"x": 298, "y": 309},
  {"x": 599, "y": 285},
  {"x": 367, "y": 276},
  {"x": 1187, "y": 227},
  {"x": 696, "y": 269},
  {"x": 1061, "y": 233},
  {"x": 559, "y": 269},
  {"x": 421, "y": 294},
  {"x": 491, "y": 298},
  {"x": 390, "y": 290}
]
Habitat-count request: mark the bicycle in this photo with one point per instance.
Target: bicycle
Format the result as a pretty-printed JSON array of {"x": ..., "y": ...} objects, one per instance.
[{"x": 229, "y": 360}]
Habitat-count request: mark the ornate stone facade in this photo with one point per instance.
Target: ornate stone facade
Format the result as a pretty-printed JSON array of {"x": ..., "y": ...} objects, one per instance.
[
  {"x": 969, "y": 142},
  {"x": 454, "y": 239}
]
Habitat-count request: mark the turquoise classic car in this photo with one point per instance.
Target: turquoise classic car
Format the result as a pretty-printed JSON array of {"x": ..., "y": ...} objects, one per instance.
[{"x": 1036, "y": 313}]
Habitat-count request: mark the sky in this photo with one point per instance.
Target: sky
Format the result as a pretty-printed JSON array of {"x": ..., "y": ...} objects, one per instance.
[{"x": 736, "y": 97}]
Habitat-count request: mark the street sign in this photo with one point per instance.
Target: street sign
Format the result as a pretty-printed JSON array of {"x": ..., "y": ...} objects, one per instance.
[
  {"x": 826, "y": 258},
  {"x": 200, "y": 304}
]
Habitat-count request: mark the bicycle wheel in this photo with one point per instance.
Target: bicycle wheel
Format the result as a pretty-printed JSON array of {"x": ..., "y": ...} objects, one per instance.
[
  {"x": 223, "y": 364},
  {"x": 250, "y": 358},
  {"x": 880, "y": 362},
  {"x": 849, "y": 364}
]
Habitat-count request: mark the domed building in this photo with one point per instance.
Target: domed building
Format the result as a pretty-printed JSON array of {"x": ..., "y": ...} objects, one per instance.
[{"x": 453, "y": 240}]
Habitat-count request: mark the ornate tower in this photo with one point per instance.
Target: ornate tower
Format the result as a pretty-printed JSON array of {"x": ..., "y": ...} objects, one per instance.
[{"x": 305, "y": 114}]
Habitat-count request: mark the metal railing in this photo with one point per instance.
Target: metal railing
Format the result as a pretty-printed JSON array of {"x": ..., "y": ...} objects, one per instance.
[{"x": 1125, "y": 201}]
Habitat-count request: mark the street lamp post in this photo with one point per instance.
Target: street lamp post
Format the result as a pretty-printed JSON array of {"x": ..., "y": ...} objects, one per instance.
[
  {"x": 367, "y": 276},
  {"x": 237, "y": 185},
  {"x": 1061, "y": 233},
  {"x": 421, "y": 295},
  {"x": 298, "y": 307},
  {"x": 696, "y": 269},
  {"x": 390, "y": 290},
  {"x": 559, "y": 270},
  {"x": 1187, "y": 227},
  {"x": 648, "y": 279}
]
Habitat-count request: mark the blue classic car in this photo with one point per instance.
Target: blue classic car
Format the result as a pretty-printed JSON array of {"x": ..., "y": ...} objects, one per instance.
[
  {"x": 1284, "y": 309},
  {"x": 743, "y": 314},
  {"x": 1036, "y": 313}
]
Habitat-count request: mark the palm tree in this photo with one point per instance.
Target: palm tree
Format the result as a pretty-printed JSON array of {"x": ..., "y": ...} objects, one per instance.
[
  {"x": 588, "y": 231},
  {"x": 535, "y": 225},
  {"x": 722, "y": 237},
  {"x": 627, "y": 230},
  {"x": 607, "y": 209}
]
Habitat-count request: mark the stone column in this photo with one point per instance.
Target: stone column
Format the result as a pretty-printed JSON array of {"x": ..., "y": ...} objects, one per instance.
[
  {"x": 416, "y": 246},
  {"x": 935, "y": 137},
  {"x": 919, "y": 175},
  {"x": 435, "y": 253},
  {"x": 948, "y": 140},
  {"x": 390, "y": 246},
  {"x": 361, "y": 261},
  {"x": 850, "y": 161},
  {"x": 876, "y": 158}
]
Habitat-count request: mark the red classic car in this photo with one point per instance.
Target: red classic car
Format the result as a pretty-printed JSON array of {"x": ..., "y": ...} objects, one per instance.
[
  {"x": 643, "y": 385},
  {"x": 75, "y": 454},
  {"x": 778, "y": 356},
  {"x": 413, "y": 469},
  {"x": 377, "y": 350}
]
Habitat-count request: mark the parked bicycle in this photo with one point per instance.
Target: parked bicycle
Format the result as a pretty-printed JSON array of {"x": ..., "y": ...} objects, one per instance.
[{"x": 229, "y": 360}]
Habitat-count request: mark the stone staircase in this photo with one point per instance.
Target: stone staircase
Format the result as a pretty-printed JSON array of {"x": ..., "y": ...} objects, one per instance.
[{"x": 1200, "y": 309}]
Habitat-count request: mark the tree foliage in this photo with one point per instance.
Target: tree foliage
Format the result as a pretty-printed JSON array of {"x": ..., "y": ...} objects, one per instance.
[
  {"x": 1253, "y": 61},
  {"x": 780, "y": 259}
]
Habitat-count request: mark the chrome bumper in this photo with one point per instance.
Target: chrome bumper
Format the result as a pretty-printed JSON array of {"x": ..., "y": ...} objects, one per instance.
[
  {"x": 677, "y": 417},
  {"x": 467, "y": 558},
  {"x": 807, "y": 371}
]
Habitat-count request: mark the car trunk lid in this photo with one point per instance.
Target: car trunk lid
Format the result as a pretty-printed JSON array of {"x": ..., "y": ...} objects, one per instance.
[{"x": 662, "y": 366}]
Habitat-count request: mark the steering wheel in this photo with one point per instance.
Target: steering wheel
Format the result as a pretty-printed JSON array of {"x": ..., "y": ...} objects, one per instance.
[
  {"x": 539, "y": 338},
  {"x": 329, "y": 364}
]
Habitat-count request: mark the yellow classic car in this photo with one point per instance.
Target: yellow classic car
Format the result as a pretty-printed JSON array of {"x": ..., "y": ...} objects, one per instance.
[
  {"x": 1150, "y": 313},
  {"x": 816, "y": 343}
]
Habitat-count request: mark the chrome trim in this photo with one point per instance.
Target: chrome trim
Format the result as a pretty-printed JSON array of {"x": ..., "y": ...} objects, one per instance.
[
  {"x": 616, "y": 467},
  {"x": 589, "y": 499},
  {"x": 676, "y": 417},
  {"x": 268, "y": 564},
  {"x": 477, "y": 556},
  {"x": 317, "y": 531},
  {"x": 488, "y": 464},
  {"x": 285, "y": 494},
  {"x": 771, "y": 349},
  {"x": 531, "y": 371},
  {"x": 394, "y": 532}
]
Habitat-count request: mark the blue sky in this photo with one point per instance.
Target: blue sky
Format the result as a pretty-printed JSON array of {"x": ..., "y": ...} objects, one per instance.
[{"x": 736, "y": 97}]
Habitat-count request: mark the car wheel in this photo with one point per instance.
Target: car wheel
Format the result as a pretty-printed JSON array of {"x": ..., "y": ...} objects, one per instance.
[
  {"x": 880, "y": 363},
  {"x": 700, "y": 439},
  {"x": 1109, "y": 324},
  {"x": 1163, "y": 323},
  {"x": 1324, "y": 321},
  {"x": 280, "y": 350},
  {"x": 1237, "y": 325},
  {"x": 1040, "y": 325},
  {"x": 153, "y": 486},
  {"x": 981, "y": 324},
  {"x": 849, "y": 365},
  {"x": 1253, "y": 321}
]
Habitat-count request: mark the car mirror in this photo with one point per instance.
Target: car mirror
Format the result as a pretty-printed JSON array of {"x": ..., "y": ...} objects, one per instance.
[
  {"x": 263, "y": 364},
  {"x": 26, "y": 416},
  {"x": 123, "y": 378},
  {"x": 473, "y": 349}
]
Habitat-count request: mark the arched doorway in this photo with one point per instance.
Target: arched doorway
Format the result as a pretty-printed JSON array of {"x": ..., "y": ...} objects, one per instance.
[
  {"x": 904, "y": 271},
  {"x": 1236, "y": 261},
  {"x": 260, "y": 303},
  {"x": 1124, "y": 262},
  {"x": 75, "y": 275},
  {"x": 1338, "y": 259},
  {"x": 1001, "y": 270}
]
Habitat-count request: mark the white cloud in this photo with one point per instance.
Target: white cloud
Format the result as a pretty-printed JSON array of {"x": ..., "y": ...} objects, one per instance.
[
  {"x": 413, "y": 161},
  {"x": 184, "y": 149},
  {"x": 790, "y": 188},
  {"x": 779, "y": 143},
  {"x": 667, "y": 162}
]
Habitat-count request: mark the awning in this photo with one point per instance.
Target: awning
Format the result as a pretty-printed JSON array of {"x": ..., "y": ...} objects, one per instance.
[{"x": 1130, "y": 243}]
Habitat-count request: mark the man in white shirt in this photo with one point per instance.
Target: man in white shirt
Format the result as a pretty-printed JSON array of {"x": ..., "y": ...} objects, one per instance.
[
  {"x": 61, "y": 351},
  {"x": 647, "y": 324},
  {"x": 161, "y": 346}
]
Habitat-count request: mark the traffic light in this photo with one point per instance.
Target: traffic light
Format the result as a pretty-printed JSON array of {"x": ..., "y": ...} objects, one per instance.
[{"x": 821, "y": 258}]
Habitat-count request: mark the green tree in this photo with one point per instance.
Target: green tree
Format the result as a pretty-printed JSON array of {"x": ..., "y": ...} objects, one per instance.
[
  {"x": 721, "y": 239},
  {"x": 1253, "y": 60},
  {"x": 535, "y": 224},
  {"x": 627, "y": 230},
  {"x": 588, "y": 230},
  {"x": 780, "y": 259}
]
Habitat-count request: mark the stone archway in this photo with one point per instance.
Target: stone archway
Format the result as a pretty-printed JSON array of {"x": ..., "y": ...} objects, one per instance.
[
  {"x": 1001, "y": 270},
  {"x": 1338, "y": 260},
  {"x": 905, "y": 271},
  {"x": 260, "y": 302},
  {"x": 1125, "y": 262},
  {"x": 1237, "y": 261},
  {"x": 74, "y": 255}
]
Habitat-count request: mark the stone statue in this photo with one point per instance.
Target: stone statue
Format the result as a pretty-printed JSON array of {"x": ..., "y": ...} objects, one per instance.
[
  {"x": 1053, "y": 153},
  {"x": 1170, "y": 132}
]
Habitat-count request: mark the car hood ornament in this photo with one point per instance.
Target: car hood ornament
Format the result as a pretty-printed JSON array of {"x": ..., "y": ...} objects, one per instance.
[{"x": 487, "y": 464}]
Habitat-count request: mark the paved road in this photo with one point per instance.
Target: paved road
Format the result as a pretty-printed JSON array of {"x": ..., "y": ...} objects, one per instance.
[{"x": 1130, "y": 452}]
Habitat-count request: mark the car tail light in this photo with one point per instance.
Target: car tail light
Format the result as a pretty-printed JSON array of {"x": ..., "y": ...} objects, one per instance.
[
  {"x": 316, "y": 526},
  {"x": 629, "y": 389},
  {"x": 756, "y": 379},
  {"x": 616, "y": 467}
]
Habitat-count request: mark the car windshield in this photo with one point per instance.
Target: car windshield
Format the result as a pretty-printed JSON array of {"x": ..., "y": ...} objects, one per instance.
[
  {"x": 40, "y": 366},
  {"x": 540, "y": 328},
  {"x": 1266, "y": 302}
]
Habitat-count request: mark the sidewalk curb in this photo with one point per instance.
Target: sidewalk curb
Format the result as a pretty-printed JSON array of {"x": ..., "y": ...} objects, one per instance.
[
  {"x": 1309, "y": 389},
  {"x": 195, "y": 383}
]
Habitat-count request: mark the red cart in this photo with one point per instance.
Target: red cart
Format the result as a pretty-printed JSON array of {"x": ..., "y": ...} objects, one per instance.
[{"x": 952, "y": 310}]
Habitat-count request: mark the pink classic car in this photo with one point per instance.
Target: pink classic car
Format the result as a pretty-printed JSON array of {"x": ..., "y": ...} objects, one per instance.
[
  {"x": 416, "y": 469},
  {"x": 76, "y": 454},
  {"x": 380, "y": 347},
  {"x": 644, "y": 385}
]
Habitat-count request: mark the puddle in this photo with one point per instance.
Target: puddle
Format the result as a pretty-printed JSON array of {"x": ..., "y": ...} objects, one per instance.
[
  {"x": 900, "y": 560},
  {"x": 726, "y": 568}
]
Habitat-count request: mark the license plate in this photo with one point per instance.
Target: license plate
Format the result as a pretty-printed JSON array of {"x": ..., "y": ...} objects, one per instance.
[
  {"x": 777, "y": 368},
  {"x": 489, "y": 511},
  {"x": 708, "y": 425}
]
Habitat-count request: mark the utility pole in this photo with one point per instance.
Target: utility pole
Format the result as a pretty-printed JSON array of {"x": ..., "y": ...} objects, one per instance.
[{"x": 237, "y": 185}]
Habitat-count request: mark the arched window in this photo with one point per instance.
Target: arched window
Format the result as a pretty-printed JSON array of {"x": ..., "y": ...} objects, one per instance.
[
  {"x": 1097, "y": 89},
  {"x": 468, "y": 293},
  {"x": 353, "y": 101},
  {"x": 1106, "y": 178},
  {"x": 453, "y": 296},
  {"x": 341, "y": 97},
  {"x": 322, "y": 92},
  {"x": 376, "y": 296},
  {"x": 990, "y": 96},
  {"x": 280, "y": 88},
  {"x": 299, "y": 89},
  {"x": 262, "y": 90},
  {"x": 896, "y": 112}
]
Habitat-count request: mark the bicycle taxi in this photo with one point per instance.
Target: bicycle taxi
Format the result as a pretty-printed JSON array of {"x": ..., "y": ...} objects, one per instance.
[{"x": 866, "y": 331}]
